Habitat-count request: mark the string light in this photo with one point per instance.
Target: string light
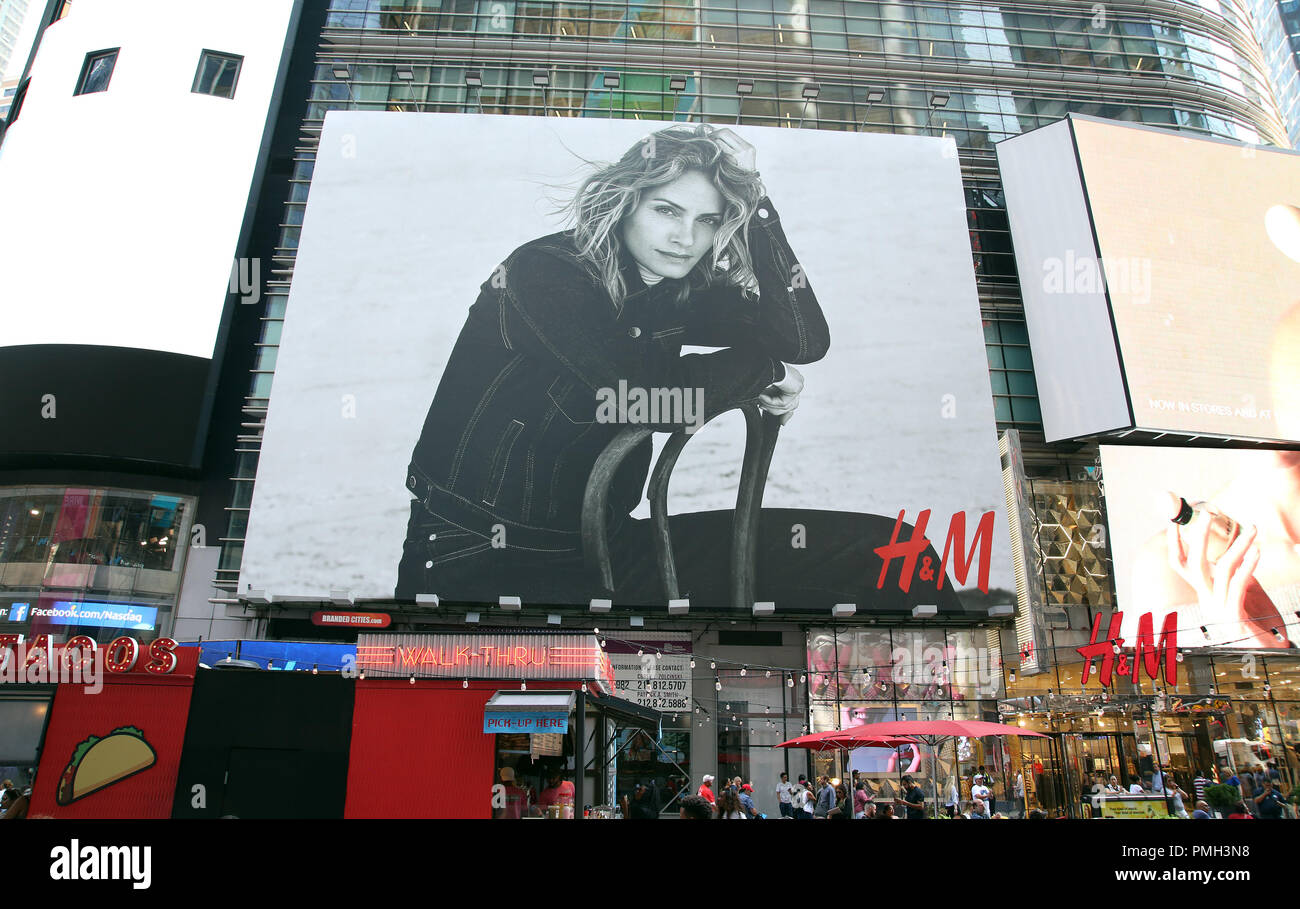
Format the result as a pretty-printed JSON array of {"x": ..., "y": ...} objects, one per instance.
[
  {"x": 713, "y": 664},
  {"x": 523, "y": 686},
  {"x": 412, "y": 680},
  {"x": 465, "y": 683},
  {"x": 658, "y": 655},
  {"x": 768, "y": 674},
  {"x": 743, "y": 670},
  {"x": 692, "y": 662},
  {"x": 802, "y": 678},
  {"x": 313, "y": 669},
  {"x": 717, "y": 685},
  {"x": 789, "y": 682},
  {"x": 596, "y": 631}
]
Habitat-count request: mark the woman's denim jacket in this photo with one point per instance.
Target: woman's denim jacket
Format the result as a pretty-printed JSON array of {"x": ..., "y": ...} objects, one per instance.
[{"x": 513, "y": 431}]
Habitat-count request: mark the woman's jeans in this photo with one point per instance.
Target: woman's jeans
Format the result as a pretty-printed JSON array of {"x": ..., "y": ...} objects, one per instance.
[{"x": 807, "y": 560}]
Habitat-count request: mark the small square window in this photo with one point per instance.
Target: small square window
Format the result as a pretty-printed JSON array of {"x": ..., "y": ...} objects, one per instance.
[
  {"x": 217, "y": 74},
  {"x": 97, "y": 71}
]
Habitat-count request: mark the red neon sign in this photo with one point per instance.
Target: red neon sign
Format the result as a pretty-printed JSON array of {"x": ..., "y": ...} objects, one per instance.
[
  {"x": 1146, "y": 653},
  {"x": 123, "y": 655}
]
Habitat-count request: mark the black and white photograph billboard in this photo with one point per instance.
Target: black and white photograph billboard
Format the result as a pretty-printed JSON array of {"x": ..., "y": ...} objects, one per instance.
[{"x": 575, "y": 359}]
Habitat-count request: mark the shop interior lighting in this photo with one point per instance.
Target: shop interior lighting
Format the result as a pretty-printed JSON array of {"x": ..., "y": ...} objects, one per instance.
[
  {"x": 844, "y": 610},
  {"x": 677, "y": 83},
  {"x": 679, "y": 607},
  {"x": 473, "y": 79},
  {"x": 427, "y": 599},
  {"x": 514, "y": 604},
  {"x": 342, "y": 71},
  {"x": 1011, "y": 676},
  {"x": 764, "y": 608},
  {"x": 924, "y": 611},
  {"x": 600, "y": 606},
  {"x": 939, "y": 99}
]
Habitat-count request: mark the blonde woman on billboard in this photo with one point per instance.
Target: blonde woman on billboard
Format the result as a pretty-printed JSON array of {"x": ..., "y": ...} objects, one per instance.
[{"x": 675, "y": 244}]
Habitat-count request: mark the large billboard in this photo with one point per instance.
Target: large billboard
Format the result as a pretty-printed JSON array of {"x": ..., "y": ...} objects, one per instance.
[
  {"x": 1159, "y": 274},
  {"x": 457, "y": 356},
  {"x": 1205, "y": 534}
]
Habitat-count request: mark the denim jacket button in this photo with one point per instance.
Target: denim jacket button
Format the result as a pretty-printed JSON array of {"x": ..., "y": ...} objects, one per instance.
[
  {"x": 428, "y": 564},
  {"x": 762, "y": 212},
  {"x": 432, "y": 537},
  {"x": 634, "y": 332}
]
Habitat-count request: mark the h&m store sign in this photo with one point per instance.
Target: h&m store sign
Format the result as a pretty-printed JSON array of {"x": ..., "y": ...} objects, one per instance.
[{"x": 1148, "y": 653}]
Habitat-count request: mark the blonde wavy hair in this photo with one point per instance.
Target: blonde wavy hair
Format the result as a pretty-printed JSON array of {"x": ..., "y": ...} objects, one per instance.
[{"x": 614, "y": 191}]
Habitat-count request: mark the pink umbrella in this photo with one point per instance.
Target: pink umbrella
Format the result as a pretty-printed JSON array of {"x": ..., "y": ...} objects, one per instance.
[{"x": 845, "y": 740}]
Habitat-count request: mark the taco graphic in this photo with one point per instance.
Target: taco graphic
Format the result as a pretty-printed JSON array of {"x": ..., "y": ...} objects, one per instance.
[{"x": 100, "y": 762}]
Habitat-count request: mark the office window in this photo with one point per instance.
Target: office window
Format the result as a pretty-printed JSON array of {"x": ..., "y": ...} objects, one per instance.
[
  {"x": 97, "y": 71},
  {"x": 217, "y": 74}
]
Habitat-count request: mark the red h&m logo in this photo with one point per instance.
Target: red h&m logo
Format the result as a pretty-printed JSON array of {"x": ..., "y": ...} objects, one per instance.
[
  {"x": 1146, "y": 654},
  {"x": 955, "y": 545}
]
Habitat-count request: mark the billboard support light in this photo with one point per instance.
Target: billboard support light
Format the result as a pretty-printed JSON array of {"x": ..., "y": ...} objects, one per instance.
[
  {"x": 764, "y": 609},
  {"x": 844, "y": 610},
  {"x": 514, "y": 604},
  {"x": 926, "y": 611},
  {"x": 427, "y": 599},
  {"x": 637, "y": 622},
  {"x": 601, "y": 605},
  {"x": 679, "y": 607},
  {"x": 471, "y": 617}
]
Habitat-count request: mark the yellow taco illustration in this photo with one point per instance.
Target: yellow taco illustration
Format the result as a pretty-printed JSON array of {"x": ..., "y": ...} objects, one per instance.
[{"x": 100, "y": 762}]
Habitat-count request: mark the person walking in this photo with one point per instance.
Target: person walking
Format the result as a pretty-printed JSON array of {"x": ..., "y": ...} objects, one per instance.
[
  {"x": 913, "y": 799},
  {"x": 804, "y": 810},
  {"x": 860, "y": 801},
  {"x": 825, "y": 798},
  {"x": 1199, "y": 784},
  {"x": 706, "y": 790},
  {"x": 729, "y": 807},
  {"x": 1269, "y": 802},
  {"x": 785, "y": 796},
  {"x": 747, "y": 801}
]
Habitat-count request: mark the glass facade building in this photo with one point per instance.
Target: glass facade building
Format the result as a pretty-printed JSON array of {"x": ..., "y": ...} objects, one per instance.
[
  {"x": 974, "y": 72},
  {"x": 1277, "y": 24}
]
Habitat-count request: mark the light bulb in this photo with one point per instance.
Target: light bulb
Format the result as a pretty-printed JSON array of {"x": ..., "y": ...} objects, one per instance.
[
  {"x": 717, "y": 686},
  {"x": 523, "y": 686},
  {"x": 465, "y": 684},
  {"x": 595, "y": 631},
  {"x": 768, "y": 674},
  {"x": 789, "y": 682},
  {"x": 640, "y": 652},
  {"x": 412, "y": 680},
  {"x": 313, "y": 668},
  {"x": 713, "y": 664},
  {"x": 692, "y": 662},
  {"x": 743, "y": 670},
  {"x": 658, "y": 655},
  {"x": 802, "y": 678}
]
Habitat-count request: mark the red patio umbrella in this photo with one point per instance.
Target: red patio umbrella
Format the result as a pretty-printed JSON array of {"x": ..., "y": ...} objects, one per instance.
[
  {"x": 845, "y": 740},
  {"x": 934, "y": 732}
]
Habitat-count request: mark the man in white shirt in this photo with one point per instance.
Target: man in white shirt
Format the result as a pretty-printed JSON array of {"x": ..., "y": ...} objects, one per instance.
[
  {"x": 979, "y": 791},
  {"x": 785, "y": 796}
]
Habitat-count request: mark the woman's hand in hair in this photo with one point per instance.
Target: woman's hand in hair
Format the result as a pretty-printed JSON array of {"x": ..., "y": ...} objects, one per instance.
[
  {"x": 782, "y": 398},
  {"x": 745, "y": 155}
]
